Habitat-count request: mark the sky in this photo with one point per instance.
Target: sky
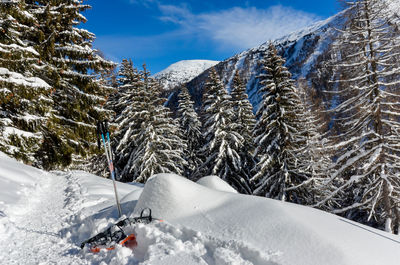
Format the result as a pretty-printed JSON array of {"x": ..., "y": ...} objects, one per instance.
[{"x": 162, "y": 32}]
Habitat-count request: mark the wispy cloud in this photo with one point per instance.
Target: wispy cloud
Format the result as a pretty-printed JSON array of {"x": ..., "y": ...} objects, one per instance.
[
  {"x": 143, "y": 2},
  {"x": 238, "y": 27},
  {"x": 207, "y": 35}
]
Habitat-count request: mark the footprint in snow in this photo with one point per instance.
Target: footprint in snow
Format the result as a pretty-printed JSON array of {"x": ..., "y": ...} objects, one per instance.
[{"x": 161, "y": 242}]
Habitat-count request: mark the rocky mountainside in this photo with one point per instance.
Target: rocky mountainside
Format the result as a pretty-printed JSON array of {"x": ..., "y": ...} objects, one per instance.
[
  {"x": 305, "y": 52},
  {"x": 182, "y": 72}
]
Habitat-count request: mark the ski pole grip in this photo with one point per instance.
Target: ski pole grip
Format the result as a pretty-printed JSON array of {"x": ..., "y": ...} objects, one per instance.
[{"x": 98, "y": 135}]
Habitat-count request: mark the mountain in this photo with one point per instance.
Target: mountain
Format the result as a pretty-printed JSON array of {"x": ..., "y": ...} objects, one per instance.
[
  {"x": 305, "y": 51},
  {"x": 182, "y": 72}
]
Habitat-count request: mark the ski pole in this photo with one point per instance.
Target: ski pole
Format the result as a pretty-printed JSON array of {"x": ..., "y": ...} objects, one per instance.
[
  {"x": 110, "y": 165},
  {"x": 113, "y": 176}
]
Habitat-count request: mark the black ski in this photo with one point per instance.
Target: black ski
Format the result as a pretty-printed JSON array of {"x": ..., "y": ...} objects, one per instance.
[{"x": 115, "y": 234}]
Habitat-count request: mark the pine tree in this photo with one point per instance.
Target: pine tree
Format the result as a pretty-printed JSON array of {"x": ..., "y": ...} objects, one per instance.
[
  {"x": 25, "y": 101},
  {"x": 278, "y": 133},
  {"x": 128, "y": 79},
  {"x": 368, "y": 159},
  {"x": 130, "y": 100},
  {"x": 244, "y": 122},
  {"x": 151, "y": 142},
  {"x": 190, "y": 126},
  {"x": 73, "y": 66},
  {"x": 314, "y": 159},
  {"x": 127, "y": 74},
  {"x": 222, "y": 142}
]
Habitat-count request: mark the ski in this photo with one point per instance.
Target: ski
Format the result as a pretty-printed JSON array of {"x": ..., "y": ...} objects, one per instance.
[{"x": 117, "y": 234}]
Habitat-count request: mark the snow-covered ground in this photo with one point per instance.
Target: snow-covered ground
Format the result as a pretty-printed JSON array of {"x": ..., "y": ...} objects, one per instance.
[
  {"x": 182, "y": 72},
  {"x": 45, "y": 216}
]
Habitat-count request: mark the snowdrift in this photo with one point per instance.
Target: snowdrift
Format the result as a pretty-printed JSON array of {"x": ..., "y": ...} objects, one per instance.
[
  {"x": 17, "y": 181},
  {"x": 216, "y": 183},
  {"x": 45, "y": 216},
  {"x": 285, "y": 233}
]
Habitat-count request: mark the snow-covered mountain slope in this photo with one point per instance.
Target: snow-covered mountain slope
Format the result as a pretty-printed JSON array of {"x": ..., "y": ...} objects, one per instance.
[
  {"x": 45, "y": 216},
  {"x": 182, "y": 72},
  {"x": 303, "y": 50}
]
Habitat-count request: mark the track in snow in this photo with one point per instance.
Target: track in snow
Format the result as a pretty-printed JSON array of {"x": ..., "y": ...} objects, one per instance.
[
  {"x": 49, "y": 226},
  {"x": 35, "y": 235}
]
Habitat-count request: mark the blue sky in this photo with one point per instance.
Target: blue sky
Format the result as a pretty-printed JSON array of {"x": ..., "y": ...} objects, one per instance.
[{"x": 161, "y": 32}]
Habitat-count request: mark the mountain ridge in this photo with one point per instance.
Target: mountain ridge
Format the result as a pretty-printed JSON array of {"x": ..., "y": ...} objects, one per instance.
[
  {"x": 182, "y": 72},
  {"x": 303, "y": 51}
]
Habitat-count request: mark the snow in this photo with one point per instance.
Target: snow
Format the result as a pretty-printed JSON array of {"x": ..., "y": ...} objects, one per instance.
[
  {"x": 18, "y": 79},
  {"x": 283, "y": 233},
  {"x": 15, "y": 182},
  {"x": 7, "y": 131},
  {"x": 12, "y": 47},
  {"x": 216, "y": 183},
  {"x": 44, "y": 216},
  {"x": 182, "y": 72}
]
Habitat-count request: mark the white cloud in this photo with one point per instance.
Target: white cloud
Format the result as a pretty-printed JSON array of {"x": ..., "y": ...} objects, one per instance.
[
  {"x": 238, "y": 27},
  {"x": 143, "y": 2}
]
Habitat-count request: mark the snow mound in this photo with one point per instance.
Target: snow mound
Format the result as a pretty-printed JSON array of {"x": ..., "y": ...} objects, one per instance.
[
  {"x": 216, "y": 183},
  {"x": 17, "y": 182},
  {"x": 301, "y": 235},
  {"x": 45, "y": 216},
  {"x": 182, "y": 72}
]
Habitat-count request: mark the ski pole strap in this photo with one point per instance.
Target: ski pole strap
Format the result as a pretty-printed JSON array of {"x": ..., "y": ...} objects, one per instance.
[
  {"x": 106, "y": 131},
  {"x": 98, "y": 132}
]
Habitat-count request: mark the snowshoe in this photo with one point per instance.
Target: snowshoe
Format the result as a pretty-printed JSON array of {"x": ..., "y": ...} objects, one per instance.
[{"x": 115, "y": 234}]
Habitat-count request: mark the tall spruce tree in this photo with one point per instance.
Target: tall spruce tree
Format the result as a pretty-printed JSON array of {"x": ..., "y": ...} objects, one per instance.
[
  {"x": 128, "y": 104},
  {"x": 128, "y": 81},
  {"x": 25, "y": 102},
  {"x": 222, "y": 142},
  {"x": 73, "y": 67},
  {"x": 314, "y": 156},
  {"x": 153, "y": 137},
  {"x": 278, "y": 133},
  {"x": 368, "y": 159},
  {"x": 244, "y": 122},
  {"x": 190, "y": 126}
]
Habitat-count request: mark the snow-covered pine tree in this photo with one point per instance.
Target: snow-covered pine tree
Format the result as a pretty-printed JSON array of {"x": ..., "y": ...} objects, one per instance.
[
  {"x": 160, "y": 146},
  {"x": 278, "y": 133},
  {"x": 190, "y": 126},
  {"x": 73, "y": 67},
  {"x": 128, "y": 104},
  {"x": 222, "y": 142},
  {"x": 128, "y": 79},
  {"x": 157, "y": 145},
  {"x": 25, "y": 101},
  {"x": 244, "y": 122},
  {"x": 368, "y": 159},
  {"x": 127, "y": 74},
  {"x": 314, "y": 156}
]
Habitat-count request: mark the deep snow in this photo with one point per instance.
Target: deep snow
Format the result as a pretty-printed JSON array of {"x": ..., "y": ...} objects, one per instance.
[
  {"x": 45, "y": 216},
  {"x": 182, "y": 72}
]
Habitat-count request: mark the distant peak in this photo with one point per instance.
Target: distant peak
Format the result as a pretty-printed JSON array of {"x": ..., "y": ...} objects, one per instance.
[{"x": 182, "y": 72}]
